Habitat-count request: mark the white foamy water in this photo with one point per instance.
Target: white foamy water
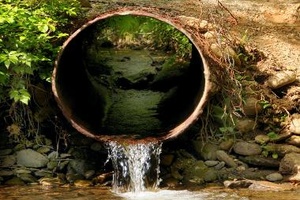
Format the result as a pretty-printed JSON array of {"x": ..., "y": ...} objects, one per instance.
[
  {"x": 180, "y": 195},
  {"x": 136, "y": 166}
]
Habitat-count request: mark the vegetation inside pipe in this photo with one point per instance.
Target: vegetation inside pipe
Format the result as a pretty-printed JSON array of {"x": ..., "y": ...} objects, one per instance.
[{"x": 129, "y": 75}]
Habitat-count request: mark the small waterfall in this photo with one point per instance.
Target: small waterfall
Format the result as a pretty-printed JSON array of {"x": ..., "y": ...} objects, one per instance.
[{"x": 136, "y": 166}]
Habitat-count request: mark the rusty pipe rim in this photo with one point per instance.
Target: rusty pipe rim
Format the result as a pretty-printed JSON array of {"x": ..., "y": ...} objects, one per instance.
[{"x": 174, "y": 132}]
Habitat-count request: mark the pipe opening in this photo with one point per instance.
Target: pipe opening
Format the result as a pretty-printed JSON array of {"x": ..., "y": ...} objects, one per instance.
[{"x": 114, "y": 80}]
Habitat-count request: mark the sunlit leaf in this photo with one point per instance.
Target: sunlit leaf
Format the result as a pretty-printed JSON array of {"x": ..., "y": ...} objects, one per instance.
[{"x": 43, "y": 28}]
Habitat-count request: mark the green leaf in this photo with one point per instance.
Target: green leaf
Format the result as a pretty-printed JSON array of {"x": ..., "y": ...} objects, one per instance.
[
  {"x": 7, "y": 63},
  {"x": 24, "y": 96},
  {"x": 43, "y": 28}
]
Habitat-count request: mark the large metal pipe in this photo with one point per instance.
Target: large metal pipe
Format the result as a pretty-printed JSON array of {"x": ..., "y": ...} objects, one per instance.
[{"x": 84, "y": 106}]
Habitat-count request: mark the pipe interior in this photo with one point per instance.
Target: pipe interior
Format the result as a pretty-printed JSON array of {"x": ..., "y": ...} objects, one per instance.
[{"x": 89, "y": 99}]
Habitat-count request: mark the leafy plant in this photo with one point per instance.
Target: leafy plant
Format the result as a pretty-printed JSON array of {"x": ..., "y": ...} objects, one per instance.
[{"x": 30, "y": 36}]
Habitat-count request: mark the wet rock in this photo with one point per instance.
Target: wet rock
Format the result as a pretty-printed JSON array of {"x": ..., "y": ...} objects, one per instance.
[
  {"x": 274, "y": 177},
  {"x": 170, "y": 182},
  {"x": 226, "y": 145},
  {"x": 97, "y": 146},
  {"x": 282, "y": 78},
  {"x": 71, "y": 178},
  {"x": 44, "y": 149},
  {"x": 102, "y": 178},
  {"x": 262, "y": 139},
  {"x": 22, "y": 171},
  {"x": 223, "y": 156},
  {"x": 15, "y": 181},
  {"x": 166, "y": 159},
  {"x": 220, "y": 165},
  {"x": 283, "y": 135},
  {"x": 27, "y": 178},
  {"x": 51, "y": 182},
  {"x": 31, "y": 158},
  {"x": 290, "y": 164},
  {"x": 195, "y": 173},
  {"x": 252, "y": 106},
  {"x": 4, "y": 173},
  {"x": 206, "y": 151},
  {"x": 238, "y": 184},
  {"x": 89, "y": 174},
  {"x": 294, "y": 140},
  {"x": 210, "y": 175},
  {"x": 282, "y": 149},
  {"x": 269, "y": 186},
  {"x": 8, "y": 161},
  {"x": 52, "y": 164},
  {"x": 5, "y": 152},
  {"x": 295, "y": 124},
  {"x": 211, "y": 163},
  {"x": 83, "y": 183},
  {"x": 247, "y": 148},
  {"x": 43, "y": 173},
  {"x": 80, "y": 166},
  {"x": 258, "y": 160},
  {"x": 53, "y": 155},
  {"x": 245, "y": 125}
]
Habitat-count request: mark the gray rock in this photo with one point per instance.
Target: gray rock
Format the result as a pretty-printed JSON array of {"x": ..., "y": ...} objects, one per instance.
[
  {"x": 252, "y": 106},
  {"x": 220, "y": 165},
  {"x": 44, "y": 149},
  {"x": 5, "y": 152},
  {"x": 290, "y": 164},
  {"x": 282, "y": 149},
  {"x": 53, "y": 155},
  {"x": 245, "y": 125},
  {"x": 223, "y": 156},
  {"x": 211, "y": 163},
  {"x": 247, "y": 149},
  {"x": 97, "y": 146},
  {"x": 81, "y": 166},
  {"x": 31, "y": 158},
  {"x": 281, "y": 79},
  {"x": 274, "y": 177},
  {"x": 89, "y": 174},
  {"x": 207, "y": 151},
  {"x": 43, "y": 173},
  {"x": 294, "y": 140},
  {"x": 295, "y": 124},
  {"x": 261, "y": 161},
  {"x": 6, "y": 173},
  {"x": 27, "y": 178},
  {"x": 262, "y": 139},
  {"x": 226, "y": 145},
  {"x": 8, "y": 161},
  {"x": 15, "y": 181}
]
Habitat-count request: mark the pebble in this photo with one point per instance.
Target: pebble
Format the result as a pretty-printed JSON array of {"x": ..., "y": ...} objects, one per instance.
[
  {"x": 247, "y": 148},
  {"x": 223, "y": 156},
  {"x": 220, "y": 165},
  {"x": 211, "y": 163},
  {"x": 274, "y": 177},
  {"x": 262, "y": 139}
]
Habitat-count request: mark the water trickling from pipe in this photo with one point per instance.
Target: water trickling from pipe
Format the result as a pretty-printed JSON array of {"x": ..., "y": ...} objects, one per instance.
[{"x": 136, "y": 166}]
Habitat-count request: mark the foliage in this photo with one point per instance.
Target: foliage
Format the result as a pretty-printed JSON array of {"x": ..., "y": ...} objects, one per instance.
[
  {"x": 145, "y": 31},
  {"x": 30, "y": 35}
]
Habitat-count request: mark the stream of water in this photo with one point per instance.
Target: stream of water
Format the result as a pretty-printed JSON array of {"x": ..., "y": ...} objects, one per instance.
[{"x": 136, "y": 166}]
